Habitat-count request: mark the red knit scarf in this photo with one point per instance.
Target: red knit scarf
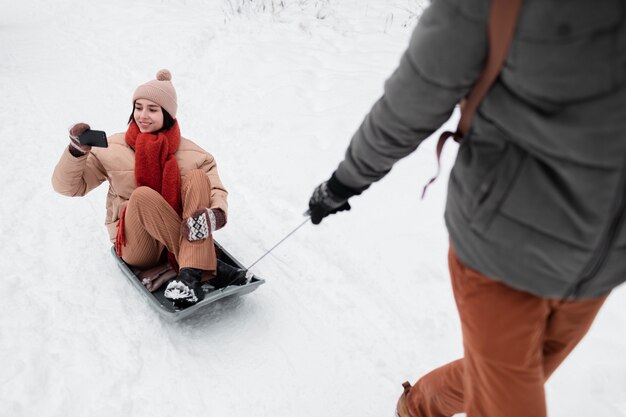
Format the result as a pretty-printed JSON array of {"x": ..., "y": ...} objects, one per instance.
[{"x": 155, "y": 167}]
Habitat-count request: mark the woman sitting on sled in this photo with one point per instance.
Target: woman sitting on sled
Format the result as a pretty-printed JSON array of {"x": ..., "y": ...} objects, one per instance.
[{"x": 165, "y": 195}]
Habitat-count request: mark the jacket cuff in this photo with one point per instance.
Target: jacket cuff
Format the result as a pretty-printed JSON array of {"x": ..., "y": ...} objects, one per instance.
[
  {"x": 342, "y": 190},
  {"x": 220, "y": 218},
  {"x": 75, "y": 152}
]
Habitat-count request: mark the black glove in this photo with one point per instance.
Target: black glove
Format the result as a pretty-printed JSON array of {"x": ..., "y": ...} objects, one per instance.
[{"x": 328, "y": 198}]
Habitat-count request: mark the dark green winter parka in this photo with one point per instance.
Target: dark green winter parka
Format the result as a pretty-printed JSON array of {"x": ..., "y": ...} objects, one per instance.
[{"x": 536, "y": 197}]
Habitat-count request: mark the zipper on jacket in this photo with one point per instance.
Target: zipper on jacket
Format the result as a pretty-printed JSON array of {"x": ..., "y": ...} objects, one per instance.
[{"x": 596, "y": 263}]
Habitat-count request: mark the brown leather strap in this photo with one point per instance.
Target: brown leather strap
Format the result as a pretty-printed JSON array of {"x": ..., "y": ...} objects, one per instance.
[
  {"x": 503, "y": 16},
  {"x": 407, "y": 387},
  {"x": 502, "y": 19},
  {"x": 442, "y": 140}
]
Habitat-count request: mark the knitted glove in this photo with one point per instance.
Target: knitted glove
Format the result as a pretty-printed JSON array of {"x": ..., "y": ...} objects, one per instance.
[
  {"x": 202, "y": 223},
  {"x": 76, "y": 149},
  {"x": 328, "y": 198}
]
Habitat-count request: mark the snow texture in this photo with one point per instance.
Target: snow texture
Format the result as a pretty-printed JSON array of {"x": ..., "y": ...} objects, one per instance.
[
  {"x": 177, "y": 290},
  {"x": 351, "y": 307}
]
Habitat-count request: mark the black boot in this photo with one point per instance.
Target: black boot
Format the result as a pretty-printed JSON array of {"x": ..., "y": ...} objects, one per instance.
[
  {"x": 185, "y": 290},
  {"x": 228, "y": 275}
]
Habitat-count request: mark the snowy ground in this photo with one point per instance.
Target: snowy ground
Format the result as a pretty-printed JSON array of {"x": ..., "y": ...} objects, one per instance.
[{"x": 351, "y": 308}]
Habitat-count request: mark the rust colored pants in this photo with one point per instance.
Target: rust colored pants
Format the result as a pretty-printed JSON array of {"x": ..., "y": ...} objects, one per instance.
[
  {"x": 513, "y": 341},
  {"x": 152, "y": 225}
]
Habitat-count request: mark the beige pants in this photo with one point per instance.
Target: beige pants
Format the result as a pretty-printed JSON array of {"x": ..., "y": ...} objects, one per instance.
[
  {"x": 513, "y": 342},
  {"x": 152, "y": 225}
]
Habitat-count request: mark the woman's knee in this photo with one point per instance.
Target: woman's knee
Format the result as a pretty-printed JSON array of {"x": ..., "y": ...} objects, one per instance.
[
  {"x": 143, "y": 196},
  {"x": 195, "y": 176}
]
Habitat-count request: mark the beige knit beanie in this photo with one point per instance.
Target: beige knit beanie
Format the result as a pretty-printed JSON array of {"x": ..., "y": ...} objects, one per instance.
[{"x": 161, "y": 91}]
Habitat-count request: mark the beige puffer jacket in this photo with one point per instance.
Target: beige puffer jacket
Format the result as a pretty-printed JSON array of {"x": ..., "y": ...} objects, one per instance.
[{"x": 75, "y": 177}]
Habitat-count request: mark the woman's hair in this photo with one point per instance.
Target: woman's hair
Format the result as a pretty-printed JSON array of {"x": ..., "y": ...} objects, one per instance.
[{"x": 168, "y": 120}]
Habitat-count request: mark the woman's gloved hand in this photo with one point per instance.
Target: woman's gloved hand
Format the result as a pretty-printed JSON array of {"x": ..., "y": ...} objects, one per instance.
[
  {"x": 202, "y": 223},
  {"x": 76, "y": 148}
]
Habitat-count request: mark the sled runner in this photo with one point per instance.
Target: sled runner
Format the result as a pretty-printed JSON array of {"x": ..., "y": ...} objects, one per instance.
[{"x": 165, "y": 306}]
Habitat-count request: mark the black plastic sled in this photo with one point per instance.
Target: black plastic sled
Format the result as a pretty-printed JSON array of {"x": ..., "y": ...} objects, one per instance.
[{"x": 165, "y": 307}]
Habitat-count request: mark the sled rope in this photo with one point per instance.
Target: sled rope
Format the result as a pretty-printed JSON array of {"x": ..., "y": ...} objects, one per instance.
[{"x": 281, "y": 241}]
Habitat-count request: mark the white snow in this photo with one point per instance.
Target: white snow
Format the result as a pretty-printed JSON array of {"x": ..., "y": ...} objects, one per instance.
[
  {"x": 177, "y": 289},
  {"x": 351, "y": 308}
]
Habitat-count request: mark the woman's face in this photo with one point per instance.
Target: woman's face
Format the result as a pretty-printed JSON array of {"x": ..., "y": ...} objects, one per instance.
[{"x": 148, "y": 115}]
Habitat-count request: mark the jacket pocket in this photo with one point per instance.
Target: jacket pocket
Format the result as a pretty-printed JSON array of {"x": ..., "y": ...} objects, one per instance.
[
  {"x": 565, "y": 201},
  {"x": 620, "y": 240},
  {"x": 494, "y": 188},
  {"x": 485, "y": 165}
]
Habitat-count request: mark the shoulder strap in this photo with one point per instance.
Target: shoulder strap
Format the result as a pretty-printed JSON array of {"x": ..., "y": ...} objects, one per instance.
[
  {"x": 502, "y": 19},
  {"x": 503, "y": 15}
]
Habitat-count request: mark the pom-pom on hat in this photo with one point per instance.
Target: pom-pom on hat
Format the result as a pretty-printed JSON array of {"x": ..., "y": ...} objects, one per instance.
[{"x": 161, "y": 91}]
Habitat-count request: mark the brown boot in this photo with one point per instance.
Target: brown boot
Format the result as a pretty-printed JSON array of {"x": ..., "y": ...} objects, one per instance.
[{"x": 401, "y": 409}]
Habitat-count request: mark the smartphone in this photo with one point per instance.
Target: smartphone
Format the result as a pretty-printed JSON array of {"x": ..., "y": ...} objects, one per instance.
[{"x": 94, "y": 138}]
